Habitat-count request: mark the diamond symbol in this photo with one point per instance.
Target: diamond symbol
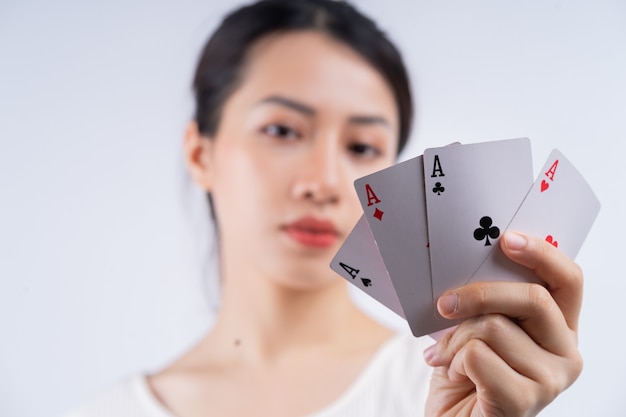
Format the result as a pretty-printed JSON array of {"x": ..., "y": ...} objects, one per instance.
[{"x": 379, "y": 214}]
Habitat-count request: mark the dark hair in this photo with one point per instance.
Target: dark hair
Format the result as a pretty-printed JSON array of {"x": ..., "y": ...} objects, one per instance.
[{"x": 224, "y": 56}]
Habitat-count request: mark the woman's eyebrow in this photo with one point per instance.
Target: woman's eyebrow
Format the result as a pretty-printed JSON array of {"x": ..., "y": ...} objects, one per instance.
[
  {"x": 310, "y": 111},
  {"x": 292, "y": 104},
  {"x": 370, "y": 120}
]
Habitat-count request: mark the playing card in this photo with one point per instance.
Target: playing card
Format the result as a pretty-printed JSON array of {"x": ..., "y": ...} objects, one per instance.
[
  {"x": 560, "y": 207},
  {"x": 472, "y": 192},
  {"x": 394, "y": 205},
  {"x": 359, "y": 262}
]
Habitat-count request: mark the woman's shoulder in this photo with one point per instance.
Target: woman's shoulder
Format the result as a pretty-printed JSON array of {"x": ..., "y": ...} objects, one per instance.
[{"x": 129, "y": 397}]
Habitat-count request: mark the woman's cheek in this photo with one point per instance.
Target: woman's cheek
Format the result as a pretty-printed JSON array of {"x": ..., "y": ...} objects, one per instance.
[{"x": 248, "y": 178}]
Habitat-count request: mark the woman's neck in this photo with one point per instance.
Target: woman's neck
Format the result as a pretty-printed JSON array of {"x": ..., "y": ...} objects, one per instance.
[{"x": 264, "y": 320}]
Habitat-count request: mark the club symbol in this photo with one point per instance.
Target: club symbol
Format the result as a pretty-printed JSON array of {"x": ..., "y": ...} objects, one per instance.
[
  {"x": 379, "y": 214},
  {"x": 486, "y": 230},
  {"x": 438, "y": 188},
  {"x": 367, "y": 282}
]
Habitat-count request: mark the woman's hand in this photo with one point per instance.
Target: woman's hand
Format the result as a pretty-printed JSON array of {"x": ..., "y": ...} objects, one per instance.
[{"x": 517, "y": 350}]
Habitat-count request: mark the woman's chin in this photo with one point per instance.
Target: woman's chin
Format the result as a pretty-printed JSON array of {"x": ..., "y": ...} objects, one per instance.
[{"x": 308, "y": 279}]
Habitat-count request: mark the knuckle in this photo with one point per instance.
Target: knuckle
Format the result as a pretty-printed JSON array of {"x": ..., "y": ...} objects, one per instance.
[
  {"x": 576, "y": 276},
  {"x": 474, "y": 297},
  {"x": 553, "y": 381},
  {"x": 447, "y": 340},
  {"x": 552, "y": 387},
  {"x": 540, "y": 298},
  {"x": 482, "y": 295},
  {"x": 576, "y": 367},
  {"x": 475, "y": 350},
  {"x": 494, "y": 324}
]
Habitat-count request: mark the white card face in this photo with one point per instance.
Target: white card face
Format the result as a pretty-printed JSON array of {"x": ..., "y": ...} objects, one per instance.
[
  {"x": 393, "y": 202},
  {"x": 472, "y": 192},
  {"x": 359, "y": 262},
  {"x": 560, "y": 207}
]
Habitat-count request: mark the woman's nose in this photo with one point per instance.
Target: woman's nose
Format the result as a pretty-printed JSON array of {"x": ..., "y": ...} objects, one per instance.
[{"x": 320, "y": 175}]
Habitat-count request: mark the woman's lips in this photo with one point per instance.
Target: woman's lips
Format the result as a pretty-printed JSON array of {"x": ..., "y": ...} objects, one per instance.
[{"x": 310, "y": 231}]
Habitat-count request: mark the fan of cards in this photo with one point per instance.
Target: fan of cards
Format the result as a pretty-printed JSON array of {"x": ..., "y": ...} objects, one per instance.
[{"x": 433, "y": 223}]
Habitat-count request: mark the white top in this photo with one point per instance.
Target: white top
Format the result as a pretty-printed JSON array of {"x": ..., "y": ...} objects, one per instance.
[{"x": 394, "y": 383}]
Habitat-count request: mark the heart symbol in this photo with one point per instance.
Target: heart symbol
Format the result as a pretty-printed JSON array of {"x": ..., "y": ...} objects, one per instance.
[
  {"x": 551, "y": 240},
  {"x": 544, "y": 185}
]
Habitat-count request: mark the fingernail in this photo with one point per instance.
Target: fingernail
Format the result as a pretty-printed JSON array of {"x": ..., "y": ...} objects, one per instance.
[
  {"x": 515, "y": 241},
  {"x": 448, "y": 304},
  {"x": 429, "y": 353}
]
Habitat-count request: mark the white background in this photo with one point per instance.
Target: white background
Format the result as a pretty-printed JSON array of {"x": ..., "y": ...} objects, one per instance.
[{"x": 102, "y": 238}]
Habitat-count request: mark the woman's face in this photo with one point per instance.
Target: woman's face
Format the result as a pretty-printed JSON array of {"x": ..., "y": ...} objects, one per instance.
[{"x": 309, "y": 117}]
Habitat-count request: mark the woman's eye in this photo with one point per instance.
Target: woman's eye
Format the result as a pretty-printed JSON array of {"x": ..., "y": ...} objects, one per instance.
[
  {"x": 281, "y": 131},
  {"x": 364, "y": 150}
]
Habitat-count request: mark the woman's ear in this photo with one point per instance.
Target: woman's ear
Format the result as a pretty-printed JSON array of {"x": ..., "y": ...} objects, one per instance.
[{"x": 198, "y": 156}]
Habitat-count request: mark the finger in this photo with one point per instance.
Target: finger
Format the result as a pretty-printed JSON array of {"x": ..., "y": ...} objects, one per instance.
[
  {"x": 504, "y": 337},
  {"x": 514, "y": 346},
  {"x": 498, "y": 386},
  {"x": 531, "y": 305},
  {"x": 563, "y": 277}
]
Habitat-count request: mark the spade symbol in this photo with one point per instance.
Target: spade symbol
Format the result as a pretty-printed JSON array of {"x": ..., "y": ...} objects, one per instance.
[
  {"x": 486, "y": 230},
  {"x": 367, "y": 282},
  {"x": 438, "y": 188}
]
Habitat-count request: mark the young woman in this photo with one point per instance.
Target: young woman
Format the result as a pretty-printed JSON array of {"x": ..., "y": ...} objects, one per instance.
[{"x": 295, "y": 100}]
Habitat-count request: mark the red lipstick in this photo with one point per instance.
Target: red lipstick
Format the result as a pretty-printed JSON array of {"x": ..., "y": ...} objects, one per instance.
[{"x": 309, "y": 231}]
